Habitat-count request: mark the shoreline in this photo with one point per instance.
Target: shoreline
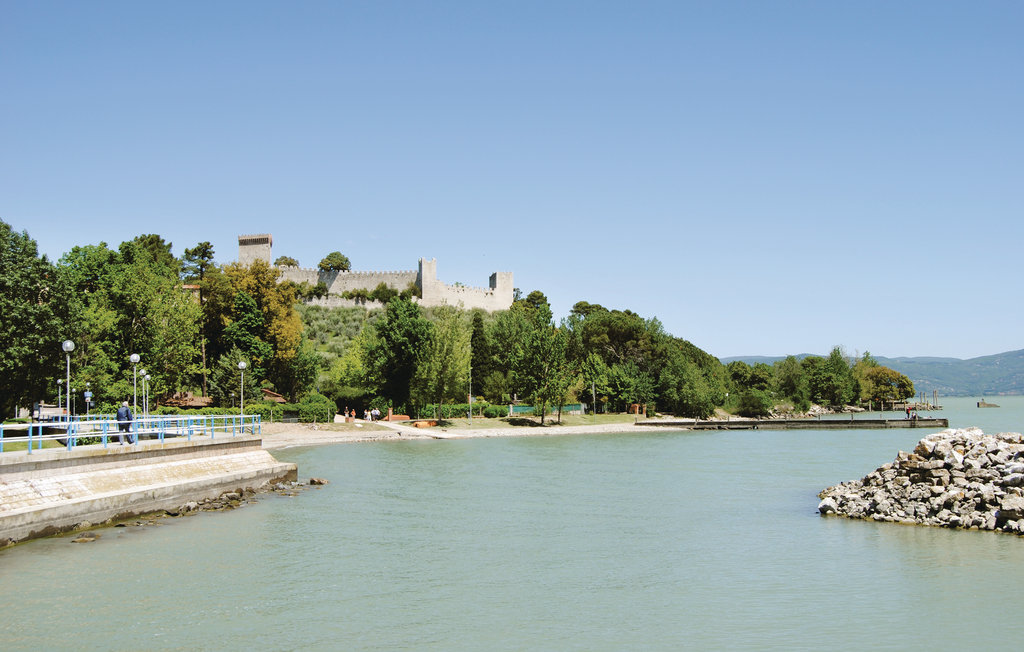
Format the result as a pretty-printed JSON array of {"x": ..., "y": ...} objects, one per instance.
[{"x": 292, "y": 435}]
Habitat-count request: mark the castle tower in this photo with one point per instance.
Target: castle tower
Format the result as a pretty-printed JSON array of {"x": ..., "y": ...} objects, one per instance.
[{"x": 254, "y": 247}]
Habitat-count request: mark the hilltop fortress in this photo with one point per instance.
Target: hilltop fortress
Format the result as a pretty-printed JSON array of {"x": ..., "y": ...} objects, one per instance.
[{"x": 497, "y": 296}]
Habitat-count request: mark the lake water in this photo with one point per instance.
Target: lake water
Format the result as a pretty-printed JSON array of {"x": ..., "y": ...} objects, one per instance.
[{"x": 646, "y": 541}]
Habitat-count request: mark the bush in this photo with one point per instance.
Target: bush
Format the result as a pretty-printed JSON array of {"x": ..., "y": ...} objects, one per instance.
[
  {"x": 754, "y": 403},
  {"x": 317, "y": 408},
  {"x": 268, "y": 411},
  {"x": 495, "y": 411},
  {"x": 456, "y": 410}
]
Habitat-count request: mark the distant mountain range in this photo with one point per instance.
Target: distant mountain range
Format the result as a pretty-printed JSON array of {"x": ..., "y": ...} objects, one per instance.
[{"x": 990, "y": 375}]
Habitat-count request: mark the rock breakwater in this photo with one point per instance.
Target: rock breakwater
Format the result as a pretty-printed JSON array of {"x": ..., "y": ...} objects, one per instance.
[{"x": 955, "y": 478}]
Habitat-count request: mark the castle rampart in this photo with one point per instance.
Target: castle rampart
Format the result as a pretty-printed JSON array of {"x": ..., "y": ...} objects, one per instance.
[{"x": 498, "y": 296}]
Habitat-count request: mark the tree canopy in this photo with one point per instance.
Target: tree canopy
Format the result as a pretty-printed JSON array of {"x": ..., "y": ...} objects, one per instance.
[
  {"x": 36, "y": 310},
  {"x": 335, "y": 262}
]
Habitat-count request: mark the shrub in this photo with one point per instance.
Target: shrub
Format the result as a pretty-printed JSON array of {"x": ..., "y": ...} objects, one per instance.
[
  {"x": 754, "y": 403},
  {"x": 455, "y": 410},
  {"x": 268, "y": 411},
  {"x": 495, "y": 411},
  {"x": 317, "y": 408}
]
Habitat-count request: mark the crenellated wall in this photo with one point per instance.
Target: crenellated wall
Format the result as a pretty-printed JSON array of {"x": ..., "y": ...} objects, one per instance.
[
  {"x": 497, "y": 296},
  {"x": 436, "y": 293},
  {"x": 339, "y": 282}
]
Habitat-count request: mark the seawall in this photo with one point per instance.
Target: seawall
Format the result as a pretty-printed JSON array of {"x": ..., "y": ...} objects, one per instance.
[{"x": 53, "y": 490}]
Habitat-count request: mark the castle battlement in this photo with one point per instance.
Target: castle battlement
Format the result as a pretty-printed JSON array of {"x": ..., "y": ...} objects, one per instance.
[
  {"x": 350, "y": 273},
  {"x": 498, "y": 296}
]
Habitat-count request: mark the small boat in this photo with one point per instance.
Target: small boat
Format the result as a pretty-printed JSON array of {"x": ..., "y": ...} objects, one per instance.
[{"x": 982, "y": 404}]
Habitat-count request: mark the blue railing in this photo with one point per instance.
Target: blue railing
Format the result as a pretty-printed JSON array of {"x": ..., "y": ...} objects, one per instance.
[{"x": 71, "y": 433}]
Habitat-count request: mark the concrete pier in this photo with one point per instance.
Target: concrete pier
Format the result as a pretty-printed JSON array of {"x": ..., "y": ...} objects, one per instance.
[
  {"x": 52, "y": 491},
  {"x": 796, "y": 424}
]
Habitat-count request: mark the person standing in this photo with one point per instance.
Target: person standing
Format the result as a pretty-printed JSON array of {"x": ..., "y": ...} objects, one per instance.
[{"x": 124, "y": 423}]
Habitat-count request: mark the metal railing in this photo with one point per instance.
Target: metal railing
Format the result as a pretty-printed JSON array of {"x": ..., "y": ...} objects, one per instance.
[{"x": 79, "y": 432}]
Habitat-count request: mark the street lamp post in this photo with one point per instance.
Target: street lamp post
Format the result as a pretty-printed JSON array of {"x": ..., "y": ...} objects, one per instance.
[
  {"x": 142, "y": 372},
  {"x": 134, "y": 359},
  {"x": 60, "y": 383},
  {"x": 241, "y": 389},
  {"x": 68, "y": 347},
  {"x": 145, "y": 392}
]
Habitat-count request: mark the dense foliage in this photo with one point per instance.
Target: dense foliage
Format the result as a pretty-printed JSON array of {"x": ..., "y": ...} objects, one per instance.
[
  {"x": 335, "y": 262},
  {"x": 193, "y": 321},
  {"x": 35, "y": 317},
  {"x": 833, "y": 381}
]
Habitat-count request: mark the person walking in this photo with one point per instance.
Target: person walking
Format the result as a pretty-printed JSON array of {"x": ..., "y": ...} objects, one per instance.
[{"x": 124, "y": 423}]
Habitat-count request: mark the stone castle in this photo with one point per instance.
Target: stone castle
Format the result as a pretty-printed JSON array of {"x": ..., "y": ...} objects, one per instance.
[{"x": 497, "y": 296}]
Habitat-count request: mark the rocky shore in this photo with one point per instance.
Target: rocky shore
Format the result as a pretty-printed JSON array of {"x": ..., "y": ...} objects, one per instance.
[
  {"x": 955, "y": 478},
  {"x": 226, "y": 501}
]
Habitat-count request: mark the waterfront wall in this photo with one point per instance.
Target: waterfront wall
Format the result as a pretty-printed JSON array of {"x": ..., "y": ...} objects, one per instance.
[{"x": 53, "y": 490}]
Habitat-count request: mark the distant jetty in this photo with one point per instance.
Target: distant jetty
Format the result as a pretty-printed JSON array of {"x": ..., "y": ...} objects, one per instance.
[{"x": 796, "y": 424}]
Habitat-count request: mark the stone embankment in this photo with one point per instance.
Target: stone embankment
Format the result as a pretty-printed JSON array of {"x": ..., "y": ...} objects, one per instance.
[
  {"x": 954, "y": 478},
  {"x": 226, "y": 501},
  {"x": 55, "y": 490}
]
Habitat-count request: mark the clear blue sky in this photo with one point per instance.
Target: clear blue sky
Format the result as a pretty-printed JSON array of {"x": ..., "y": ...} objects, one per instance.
[{"x": 764, "y": 177}]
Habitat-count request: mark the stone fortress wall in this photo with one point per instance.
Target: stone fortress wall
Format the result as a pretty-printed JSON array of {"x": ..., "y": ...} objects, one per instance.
[{"x": 497, "y": 296}]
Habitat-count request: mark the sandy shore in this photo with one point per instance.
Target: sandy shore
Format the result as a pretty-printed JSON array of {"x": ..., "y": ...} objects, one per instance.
[{"x": 288, "y": 435}]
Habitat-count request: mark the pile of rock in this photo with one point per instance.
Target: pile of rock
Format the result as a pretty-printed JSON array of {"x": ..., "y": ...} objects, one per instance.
[{"x": 954, "y": 478}]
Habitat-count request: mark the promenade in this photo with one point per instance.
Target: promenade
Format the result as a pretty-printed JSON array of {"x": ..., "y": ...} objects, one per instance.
[{"x": 55, "y": 489}]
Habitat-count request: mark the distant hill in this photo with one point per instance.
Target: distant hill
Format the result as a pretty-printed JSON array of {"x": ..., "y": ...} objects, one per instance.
[{"x": 990, "y": 375}]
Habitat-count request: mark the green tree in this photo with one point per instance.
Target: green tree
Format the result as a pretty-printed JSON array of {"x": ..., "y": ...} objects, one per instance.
[
  {"x": 226, "y": 379},
  {"x": 335, "y": 262},
  {"x": 286, "y": 261},
  {"x": 527, "y": 344},
  {"x": 158, "y": 252},
  {"x": 246, "y": 332},
  {"x": 888, "y": 384},
  {"x": 35, "y": 317},
  {"x": 383, "y": 293},
  {"x": 754, "y": 403},
  {"x": 282, "y": 324},
  {"x": 596, "y": 383},
  {"x": 739, "y": 375},
  {"x": 442, "y": 366},
  {"x": 196, "y": 266},
  {"x": 630, "y": 385},
  {"x": 481, "y": 348},
  {"x": 132, "y": 304},
  {"x": 400, "y": 335},
  {"x": 790, "y": 381},
  {"x": 561, "y": 375},
  {"x": 685, "y": 390},
  {"x": 761, "y": 376},
  {"x": 831, "y": 380}
]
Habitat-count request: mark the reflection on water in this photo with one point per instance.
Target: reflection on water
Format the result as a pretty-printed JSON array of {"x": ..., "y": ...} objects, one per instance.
[{"x": 640, "y": 541}]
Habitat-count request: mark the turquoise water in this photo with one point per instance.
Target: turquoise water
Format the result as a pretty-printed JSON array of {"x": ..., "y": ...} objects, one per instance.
[{"x": 646, "y": 541}]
